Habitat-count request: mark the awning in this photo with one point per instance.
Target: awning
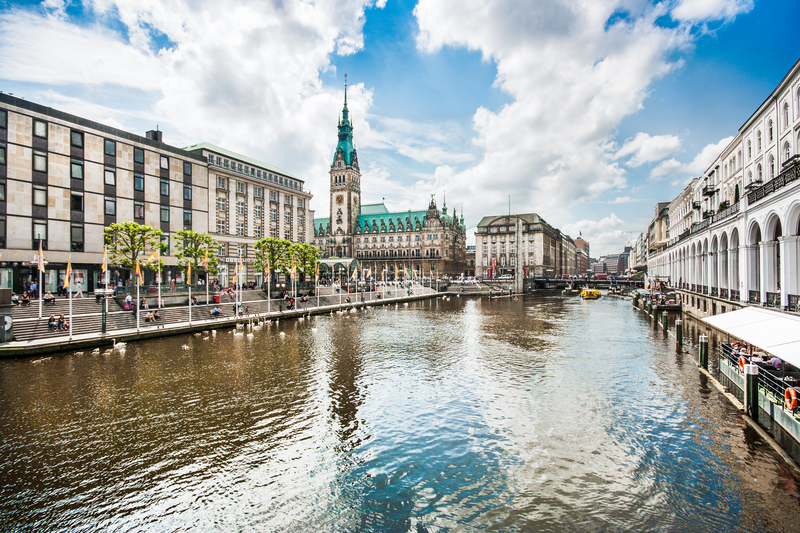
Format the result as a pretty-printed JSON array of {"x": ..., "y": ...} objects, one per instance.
[
  {"x": 347, "y": 264},
  {"x": 773, "y": 332}
]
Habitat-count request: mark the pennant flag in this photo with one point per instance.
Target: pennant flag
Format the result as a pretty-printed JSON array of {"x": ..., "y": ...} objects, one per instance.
[
  {"x": 266, "y": 268},
  {"x": 369, "y": 271},
  {"x": 294, "y": 268},
  {"x": 205, "y": 260},
  {"x": 153, "y": 257},
  {"x": 316, "y": 271},
  {"x": 189, "y": 275},
  {"x": 235, "y": 272},
  {"x": 138, "y": 274},
  {"x": 104, "y": 266},
  {"x": 69, "y": 273},
  {"x": 355, "y": 273},
  {"x": 396, "y": 273},
  {"x": 41, "y": 257}
]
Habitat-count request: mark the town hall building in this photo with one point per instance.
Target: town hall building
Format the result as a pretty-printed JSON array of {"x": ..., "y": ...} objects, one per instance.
[{"x": 427, "y": 242}]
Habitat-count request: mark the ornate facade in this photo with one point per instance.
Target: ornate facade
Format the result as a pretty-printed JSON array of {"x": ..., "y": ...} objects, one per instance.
[{"x": 429, "y": 242}]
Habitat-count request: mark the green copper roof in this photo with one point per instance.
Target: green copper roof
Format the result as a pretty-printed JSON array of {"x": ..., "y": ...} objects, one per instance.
[
  {"x": 233, "y": 155},
  {"x": 374, "y": 209},
  {"x": 345, "y": 134}
]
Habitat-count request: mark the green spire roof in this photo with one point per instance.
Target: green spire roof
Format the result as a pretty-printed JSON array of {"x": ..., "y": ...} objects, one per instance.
[{"x": 345, "y": 132}]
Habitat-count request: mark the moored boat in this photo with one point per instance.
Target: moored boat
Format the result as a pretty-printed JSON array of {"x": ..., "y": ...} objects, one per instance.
[{"x": 590, "y": 294}]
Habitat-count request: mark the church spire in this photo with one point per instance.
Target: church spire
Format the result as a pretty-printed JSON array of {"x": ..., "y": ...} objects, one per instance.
[{"x": 345, "y": 144}]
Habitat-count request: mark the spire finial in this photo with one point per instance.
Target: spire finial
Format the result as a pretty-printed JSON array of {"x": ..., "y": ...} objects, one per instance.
[{"x": 345, "y": 89}]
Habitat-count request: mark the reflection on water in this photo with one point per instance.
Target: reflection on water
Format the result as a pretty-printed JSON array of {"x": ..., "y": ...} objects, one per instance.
[{"x": 526, "y": 414}]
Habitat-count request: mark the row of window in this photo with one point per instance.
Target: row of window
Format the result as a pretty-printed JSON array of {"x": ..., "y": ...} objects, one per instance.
[
  {"x": 254, "y": 172},
  {"x": 258, "y": 192}
]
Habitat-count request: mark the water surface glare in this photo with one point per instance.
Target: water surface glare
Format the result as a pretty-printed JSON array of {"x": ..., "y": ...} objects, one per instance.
[{"x": 528, "y": 414}]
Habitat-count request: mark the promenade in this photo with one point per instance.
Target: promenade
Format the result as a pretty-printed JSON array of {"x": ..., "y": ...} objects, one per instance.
[{"x": 32, "y": 335}]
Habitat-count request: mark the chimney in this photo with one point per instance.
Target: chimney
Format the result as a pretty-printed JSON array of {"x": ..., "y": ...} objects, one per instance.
[{"x": 154, "y": 135}]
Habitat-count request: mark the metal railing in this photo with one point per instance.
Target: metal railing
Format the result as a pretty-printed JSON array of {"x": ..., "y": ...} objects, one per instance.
[
  {"x": 755, "y": 298},
  {"x": 722, "y": 215},
  {"x": 772, "y": 383},
  {"x": 773, "y": 299},
  {"x": 735, "y": 296},
  {"x": 723, "y": 293},
  {"x": 789, "y": 174},
  {"x": 714, "y": 291},
  {"x": 794, "y": 302},
  {"x": 705, "y": 289}
]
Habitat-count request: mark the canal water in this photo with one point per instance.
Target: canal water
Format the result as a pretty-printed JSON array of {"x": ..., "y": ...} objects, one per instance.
[{"x": 527, "y": 414}]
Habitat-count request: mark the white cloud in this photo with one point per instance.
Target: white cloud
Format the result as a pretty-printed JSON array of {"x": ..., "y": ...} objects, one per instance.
[
  {"x": 701, "y": 162},
  {"x": 648, "y": 149},
  {"x": 604, "y": 236},
  {"x": 706, "y": 10},
  {"x": 622, "y": 200}
]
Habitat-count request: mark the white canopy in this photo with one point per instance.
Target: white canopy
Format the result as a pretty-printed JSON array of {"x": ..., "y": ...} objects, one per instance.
[{"x": 773, "y": 332}]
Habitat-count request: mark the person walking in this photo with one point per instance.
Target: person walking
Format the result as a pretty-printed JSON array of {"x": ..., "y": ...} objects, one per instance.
[{"x": 78, "y": 291}]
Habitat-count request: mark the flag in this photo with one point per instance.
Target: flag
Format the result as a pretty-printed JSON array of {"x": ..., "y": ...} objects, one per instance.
[
  {"x": 138, "y": 274},
  {"x": 396, "y": 274},
  {"x": 294, "y": 268},
  {"x": 69, "y": 273},
  {"x": 235, "y": 272},
  {"x": 408, "y": 274},
  {"x": 153, "y": 257},
  {"x": 205, "y": 260},
  {"x": 41, "y": 257},
  {"x": 266, "y": 268},
  {"x": 369, "y": 271},
  {"x": 104, "y": 266},
  {"x": 316, "y": 271},
  {"x": 189, "y": 275},
  {"x": 355, "y": 273}
]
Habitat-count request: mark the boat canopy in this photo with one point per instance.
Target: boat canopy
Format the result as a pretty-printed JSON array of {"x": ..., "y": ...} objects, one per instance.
[
  {"x": 347, "y": 264},
  {"x": 773, "y": 332}
]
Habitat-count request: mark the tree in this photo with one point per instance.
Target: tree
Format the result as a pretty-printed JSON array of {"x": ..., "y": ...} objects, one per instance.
[
  {"x": 192, "y": 247},
  {"x": 306, "y": 257},
  {"x": 276, "y": 252},
  {"x": 129, "y": 241}
]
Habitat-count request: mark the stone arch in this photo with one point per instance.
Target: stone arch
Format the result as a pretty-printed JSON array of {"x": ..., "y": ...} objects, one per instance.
[
  {"x": 714, "y": 262},
  {"x": 771, "y": 250},
  {"x": 723, "y": 262}
]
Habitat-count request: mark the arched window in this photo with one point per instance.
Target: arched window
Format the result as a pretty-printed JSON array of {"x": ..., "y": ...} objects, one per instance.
[
  {"x": 759, "y": 173},
  {"x": 749, "y": 150},
  {"x": 749, "y": 177},
  {"x": 769, "y": 131},
  {"x": 771, "y": 167},
  {"x": 787, "y": 151},
  {"x": 786, "y": 115},
  {"x": 758, "y": 141}
]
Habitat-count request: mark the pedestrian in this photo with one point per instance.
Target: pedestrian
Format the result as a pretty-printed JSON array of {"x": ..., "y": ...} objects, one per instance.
[
  {"x": 52, "y": 323},
  {"x": 60, "y": 288},
  {"x": 78, "y": 291},
  {"x": 62, "y": 322},
  {"x": 33, "y": 290}
]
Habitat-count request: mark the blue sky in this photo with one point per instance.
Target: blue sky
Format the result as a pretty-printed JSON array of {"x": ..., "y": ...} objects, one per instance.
[{"x": 587, "y": 112}]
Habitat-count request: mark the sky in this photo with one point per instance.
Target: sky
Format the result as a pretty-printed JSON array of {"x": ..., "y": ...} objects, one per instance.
[{"x": 587, "y": 112}]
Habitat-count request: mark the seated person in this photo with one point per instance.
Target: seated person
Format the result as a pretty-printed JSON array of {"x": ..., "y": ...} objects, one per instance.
[
  {"x": 149, "y": 317},
  {"x": 216, "y": 311},
  {"x": 347, "y": 300},
  {"x": 15, "y": 299},
  {"x": 49, "y": 298},
  {"x": 774, "y": 362},
  {"x": 143, "y": 304},
  {"x": 52, "y": 324},
  {"x": 156, "y": 315},
  {"x": 62, "y": 323},
  {"x": 26, "y": 299},
  {"x": 194, "y": 300}
]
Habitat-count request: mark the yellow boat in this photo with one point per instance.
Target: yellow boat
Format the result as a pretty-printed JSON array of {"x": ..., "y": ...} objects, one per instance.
[{"x": 590, "y": 294}]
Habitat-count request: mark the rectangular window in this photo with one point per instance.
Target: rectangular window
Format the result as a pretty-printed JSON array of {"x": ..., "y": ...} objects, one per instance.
[
  {"x": 76, "y": 169},
  {"x": 288, "y": 218},
  {"x": 187, "y": 168},
  {"x": 2, "y": 190},
  {"x": 2, "y": 232},
  {"x": 301, "y": 219},
  {"x": 300, "y": 203},
  {"x": 138, "y": 182},
  {"x": 164, "y": 213},
  {"x": 225, "y": 163},
  {"x": 165, "y": 162},
  {"x": 257, "y": 211},
  {"x": 273, "y": 196},
  {"x": 221, "y": 183},
  {"x": 239, "y": 187},
  {"x": 39, "y": 232},
  {"x": 76, "y": 234},
  {"x": 111, "y": 206},
  {"x": 222, "y": 250},
  {"x": 287, "y": 235},
  {"x": 273, "y": 214},
  {"x": 138, "y": 155},
  {"x": 258, "y": 192},
  {"x": 240, "y": 167},
  {"x": 40, "y": 129},
  {"x": 76, "y": 201},
  {"x": 2, "y": 154},
  {"x": 76, "y": 138},
  {"x": 111, "y": 176},
  {"x": 273, "y": 232},
  {"x": 222, "y": 226},
  {"x": 240, "y": 208},
  {"x": 138, "y": 211},
  {"x": 219, "y": 161},
  {"x": 257, "y": 232},
  {"x": 110, "y": 148},
  {"x": 240, "y": 229},
  {"x": 241, "y": 250},
  {"x": 40, "y": 161},
  {"x": 222, "y": 204},
  {"x": 187, "y": 217},
  {"x": 187, "y": 192},
  {"x": 40, "y": 196},
  {"x": 164, "y": 187},
  {"x": 258, "y": 173},
  {"x": 246, "y": 169},
  {"x": 287, "y": 199},
  {"x": 165, "y": 245},
  {"x": 3, "y": 119}
]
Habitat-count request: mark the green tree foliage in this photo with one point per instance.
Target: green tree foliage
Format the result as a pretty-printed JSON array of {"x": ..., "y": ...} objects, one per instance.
[
  {"x": 306, "y": 257},
  {"x": 192, "y": 246},
  {"x": 276, "y": 252},
  {"x": 128, "y": 242}
]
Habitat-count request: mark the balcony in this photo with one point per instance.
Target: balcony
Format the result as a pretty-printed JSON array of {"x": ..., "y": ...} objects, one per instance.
[
  {"x": 734, "y": 295},
  {"x": 723, "y": 293},
  {"x": 794, "y": 303},
  {"x": 696, "y": 204},
  {"x": 774, "y": 299},
  {"x": 790, "y": 173},
  {"x": 714, "y": 291},
  {"x": 725, "y": 213},
  {"x": 709, "y": 190},
  {"x": 708, "y": 214},
  {"x": 754, "y": 297}
]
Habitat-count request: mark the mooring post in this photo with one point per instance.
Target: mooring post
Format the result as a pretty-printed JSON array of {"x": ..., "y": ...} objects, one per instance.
[
  {"x": 665, "y": 320},
  {"x": 704, "y": 351},
  {"x": 679, "y": 331},
  {"x": 751, "y": 391}
]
